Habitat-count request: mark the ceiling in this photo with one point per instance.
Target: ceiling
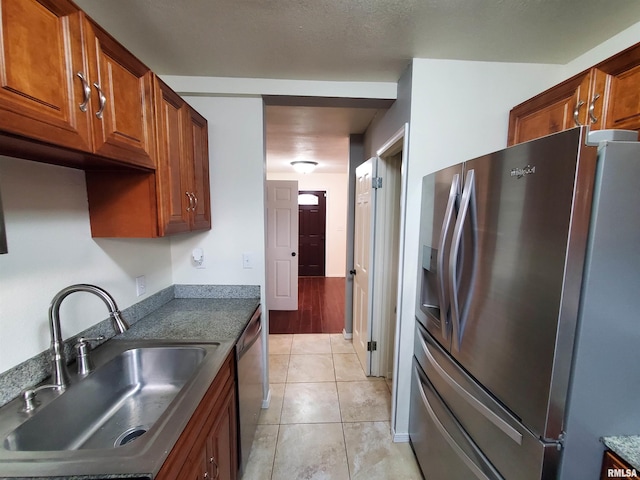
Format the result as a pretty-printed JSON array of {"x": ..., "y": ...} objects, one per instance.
[{"x": 347, "y": 40}]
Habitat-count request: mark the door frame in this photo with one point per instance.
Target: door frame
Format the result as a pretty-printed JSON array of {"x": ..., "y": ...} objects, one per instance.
[{"x": 398, "y": 142}]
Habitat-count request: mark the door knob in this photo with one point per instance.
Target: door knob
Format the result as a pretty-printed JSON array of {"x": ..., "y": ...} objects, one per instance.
[{"x": 293, "y": 254}]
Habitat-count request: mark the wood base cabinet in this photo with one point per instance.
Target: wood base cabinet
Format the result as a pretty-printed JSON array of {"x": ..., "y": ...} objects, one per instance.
[
  {"x": 66, "y": 83},
  {"x": 614, "y": 467},
  {"x": 605, "y": 96},
  {"x": 208, "y": 448}
]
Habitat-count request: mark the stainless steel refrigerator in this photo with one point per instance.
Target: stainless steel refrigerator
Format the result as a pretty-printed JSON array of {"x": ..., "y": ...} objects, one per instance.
[{"x": 528, "y": 310}]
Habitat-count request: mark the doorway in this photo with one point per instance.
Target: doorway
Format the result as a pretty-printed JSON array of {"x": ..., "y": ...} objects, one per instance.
[
  {"x": 383, "y": 250},
  {"x": 312, "y": 230}
]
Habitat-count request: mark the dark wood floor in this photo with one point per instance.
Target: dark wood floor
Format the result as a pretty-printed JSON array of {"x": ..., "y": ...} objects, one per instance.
[{"x": 320, "y": 308}]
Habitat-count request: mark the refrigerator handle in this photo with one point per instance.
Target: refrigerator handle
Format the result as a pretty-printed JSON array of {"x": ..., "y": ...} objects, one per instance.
[
  {"x": 442, "y": 243},
  {"x": 467, "y": 209}
]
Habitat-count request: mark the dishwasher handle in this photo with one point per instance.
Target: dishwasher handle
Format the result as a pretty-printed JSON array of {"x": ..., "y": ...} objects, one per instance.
[{"x": 251, "y": 334}]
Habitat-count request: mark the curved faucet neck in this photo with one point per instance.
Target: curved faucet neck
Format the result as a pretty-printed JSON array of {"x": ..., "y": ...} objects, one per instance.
[{"x": 59, "y": 374}]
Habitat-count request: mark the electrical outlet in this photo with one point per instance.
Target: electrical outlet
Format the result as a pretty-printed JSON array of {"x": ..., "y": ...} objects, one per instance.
[{"x": 141, "y": 285}]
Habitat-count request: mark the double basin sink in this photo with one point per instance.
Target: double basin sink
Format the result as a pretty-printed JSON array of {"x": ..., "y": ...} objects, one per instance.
[{"x": 132, "y": 408}]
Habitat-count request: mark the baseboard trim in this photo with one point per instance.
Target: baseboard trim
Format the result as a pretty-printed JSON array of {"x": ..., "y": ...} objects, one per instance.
[{"x": 400, "y": 437}]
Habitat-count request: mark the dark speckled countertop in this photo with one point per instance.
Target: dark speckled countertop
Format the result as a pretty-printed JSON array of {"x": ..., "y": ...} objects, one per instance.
[
  {"x": 198, "y": 319},
  {"x": 626, "y": 447}
]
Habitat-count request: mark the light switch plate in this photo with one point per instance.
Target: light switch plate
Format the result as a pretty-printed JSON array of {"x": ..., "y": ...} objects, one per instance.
[{"x": 141, "y": 285}]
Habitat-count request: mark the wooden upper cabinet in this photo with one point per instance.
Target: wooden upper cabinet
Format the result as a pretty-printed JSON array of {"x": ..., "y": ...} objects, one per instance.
[
  {"x": 122, "y": 96},
  {"x": 197, "y": 146},
  {"x": 41, "y": 51},
  {"x": 67, "y": 83},
  {"x": 183, "y": 164},
  {"x": 174, "y": 198},
  {"x": 605, "y": 96},
  {"x": 172, "y": 167},
  {"x": 619, "y": 85},
  {"x": 559, "y": 108}
]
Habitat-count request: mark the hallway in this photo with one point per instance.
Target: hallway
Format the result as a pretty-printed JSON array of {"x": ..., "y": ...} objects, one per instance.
[
  {"x": 321, "y": 302},
  {"x": 326, "y": 420}
]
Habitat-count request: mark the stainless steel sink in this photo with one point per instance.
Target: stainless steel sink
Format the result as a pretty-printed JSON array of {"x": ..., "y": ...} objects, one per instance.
[{"x": 113, "y": 406}]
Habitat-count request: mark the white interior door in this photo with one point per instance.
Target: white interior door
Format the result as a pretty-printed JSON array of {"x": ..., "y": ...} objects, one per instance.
[
  {"x": 282, "y": 245},
  {"x": 362, "y": 259}
]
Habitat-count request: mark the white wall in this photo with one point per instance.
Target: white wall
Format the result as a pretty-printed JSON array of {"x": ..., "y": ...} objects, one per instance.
[
  {"x": 615, "y": 44},
  {"x": 236, "y": 162},
  {"x": 459, "y": 110},
  {"x": 335, "y": 185},
  {"x": 50, "y": 247}
]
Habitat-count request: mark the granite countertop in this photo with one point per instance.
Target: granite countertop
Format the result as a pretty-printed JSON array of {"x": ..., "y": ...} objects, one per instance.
[
  {"x": 626, "y": 447},
  {"x": 196, "y": 319},
  {"x": 183, "y": 319}
]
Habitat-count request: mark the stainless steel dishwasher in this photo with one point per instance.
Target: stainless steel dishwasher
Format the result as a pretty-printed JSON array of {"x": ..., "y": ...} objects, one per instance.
[{"x": 250, "y": 363}]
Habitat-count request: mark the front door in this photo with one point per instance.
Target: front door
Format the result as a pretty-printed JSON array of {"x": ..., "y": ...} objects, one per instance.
[
  {"x": 282, "y": 244},
  {"x": 311, "y": 243},
  {"x": 362, "y": 254}
]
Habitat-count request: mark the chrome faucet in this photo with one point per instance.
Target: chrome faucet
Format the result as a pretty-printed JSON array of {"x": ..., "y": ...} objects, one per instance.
[{"x": 59, "y": 374}]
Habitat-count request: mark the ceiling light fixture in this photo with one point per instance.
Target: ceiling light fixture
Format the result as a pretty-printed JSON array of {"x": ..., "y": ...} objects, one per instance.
[{"x": 304, "y": 166}]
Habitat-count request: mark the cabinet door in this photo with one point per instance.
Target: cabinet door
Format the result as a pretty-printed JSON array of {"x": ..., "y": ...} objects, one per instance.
[
  {"x": 222, "y": 442},
  {"x": 559, "y": 108},
  {"x": 173, "y": 202},
  {"x": 198, "y": 153},
  {"x": 619, "y": 467},
  {"x": 623, "y": 109},
  {"x": 122, "y": 101},
  {"x": 40, "y": 54},
  {"x": 196, "y": 467}
]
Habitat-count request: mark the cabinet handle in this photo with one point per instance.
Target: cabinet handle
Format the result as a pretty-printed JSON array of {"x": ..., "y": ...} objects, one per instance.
[
  {"x": 206, "y": 475},
  {"x": 86, "y": 92},
  {"x": 195, "y": 202},
  {"x": 576, "y": 111},
  {"x": 212, "y": 461},
  {"x": 102, "y": 99},
  {"x": 190, "y": 207},
  {"x": 592, "y": 108}
]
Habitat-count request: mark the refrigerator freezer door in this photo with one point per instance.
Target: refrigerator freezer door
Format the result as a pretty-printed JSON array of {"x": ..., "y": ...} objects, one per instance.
[
  {"x": 442, "y": 447},
  {"x": 440, "y": 196},
  {"x": 508, "y": 445},
  {"x": 533, "y": 202}
]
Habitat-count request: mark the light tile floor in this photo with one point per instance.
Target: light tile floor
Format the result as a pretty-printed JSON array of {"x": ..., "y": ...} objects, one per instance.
[{"x": 326, "y": 420}]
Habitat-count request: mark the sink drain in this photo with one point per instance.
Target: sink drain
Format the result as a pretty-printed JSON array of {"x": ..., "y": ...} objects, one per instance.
[{"x": 130, "y": 435}]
